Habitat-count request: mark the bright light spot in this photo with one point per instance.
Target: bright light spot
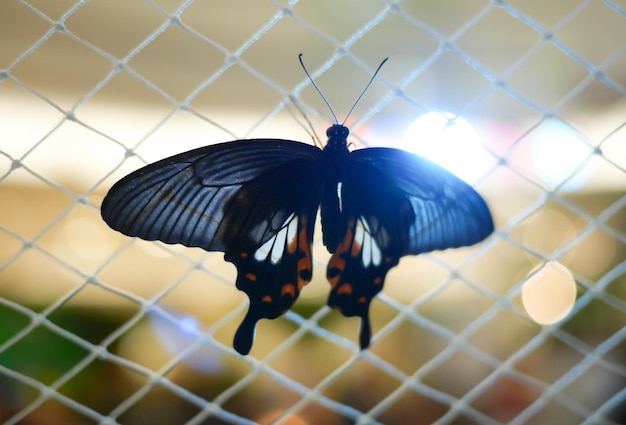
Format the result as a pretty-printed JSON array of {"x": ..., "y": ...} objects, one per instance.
[
  {"x": 557, "y": 151},
  {"x": 189, "y": 325},
  {"x": 176, "y": 334},
  {"x": 451, "y": 143},
  {"x": 549, "y": 295}
]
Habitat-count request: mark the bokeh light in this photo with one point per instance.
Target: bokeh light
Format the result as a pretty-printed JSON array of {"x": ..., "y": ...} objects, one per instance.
[
  {"x": 556, "y": 154},
  {"x": 176, "y": 334},
  {"x": 549, "y": 294},
  {"x": 450, "y": 142}
]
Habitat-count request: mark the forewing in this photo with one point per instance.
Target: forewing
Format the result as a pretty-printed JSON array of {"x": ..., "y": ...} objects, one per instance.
[
  {"x": 179, "y": 199},
  {"x": 448, "y": 212}
]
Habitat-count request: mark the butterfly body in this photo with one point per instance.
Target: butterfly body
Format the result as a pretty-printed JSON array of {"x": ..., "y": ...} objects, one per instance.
[{"x": 257, "y": 201}]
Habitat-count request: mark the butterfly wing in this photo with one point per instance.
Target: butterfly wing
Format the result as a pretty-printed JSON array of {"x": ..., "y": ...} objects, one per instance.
[
  {"x": 395, "y": 203},
  {"x": 449, "y": 213},
  {"x": 179, "y": 199},
  {"x": 268, "y": 231},
  {"x": 254, "y": 200},
  {"x": 376, "y": 217}
]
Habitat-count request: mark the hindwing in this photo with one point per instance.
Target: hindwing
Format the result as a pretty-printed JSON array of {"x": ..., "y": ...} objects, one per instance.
[
  {"x": 376, "y": 216},
  {"x": 267, "y": 233}
]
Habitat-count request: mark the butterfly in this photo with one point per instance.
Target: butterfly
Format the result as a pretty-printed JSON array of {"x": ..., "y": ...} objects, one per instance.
[{"x": 257, "y": 201}]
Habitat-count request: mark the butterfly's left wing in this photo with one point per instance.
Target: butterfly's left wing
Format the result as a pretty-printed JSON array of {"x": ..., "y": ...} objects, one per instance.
[{"x": 395, "y": 203}]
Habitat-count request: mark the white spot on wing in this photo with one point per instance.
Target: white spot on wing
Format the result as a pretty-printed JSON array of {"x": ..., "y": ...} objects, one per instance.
[
  {"x": 370, "y": 251},
  {"x": 366, "y": 253},
  {"x": 359, "y": 233},
  {"x": 276, "y": 245},
  {"x": 366, "y": 225},
  {"x": 279, "y": 245},
  {"x": 262, "y": 252},
  {"x": 377, "y": 255}
]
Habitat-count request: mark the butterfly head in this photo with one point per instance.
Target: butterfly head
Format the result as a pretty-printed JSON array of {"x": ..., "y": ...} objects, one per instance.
[{"x": 337, "y": 137}]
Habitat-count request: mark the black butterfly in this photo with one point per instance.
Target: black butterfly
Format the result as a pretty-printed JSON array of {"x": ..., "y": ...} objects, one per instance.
[{"x": 257, "y": 200}]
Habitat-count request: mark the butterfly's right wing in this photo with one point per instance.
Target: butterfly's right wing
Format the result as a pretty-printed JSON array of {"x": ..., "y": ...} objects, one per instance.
[{"x": 180, "y": 199}]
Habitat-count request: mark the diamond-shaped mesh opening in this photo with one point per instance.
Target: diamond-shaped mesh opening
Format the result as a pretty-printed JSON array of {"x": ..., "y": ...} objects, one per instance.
[
  {"x": 405, "y": 352},
  {"x": 506, "y": 399},
  {"x": 115, "y": 384},
  {"x": 596, "y": 322},
  {"x": 262, "y": 399},
  {"x": 158, "y": 405},
  {"x": 562, "y": 358},
  {"x": 87, "y": 24},
  {"x": 363, "y": 374},
  {"x": 41, "y": 354},
  {"x": 57, "y": 409},
  {"x": 96, "y": 327}
]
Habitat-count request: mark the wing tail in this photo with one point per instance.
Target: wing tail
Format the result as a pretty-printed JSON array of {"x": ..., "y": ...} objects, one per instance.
[{"x": 357, "y": 272}]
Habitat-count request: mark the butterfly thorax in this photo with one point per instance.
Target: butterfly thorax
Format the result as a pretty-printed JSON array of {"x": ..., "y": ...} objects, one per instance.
[{"x": 337, "y": 138}]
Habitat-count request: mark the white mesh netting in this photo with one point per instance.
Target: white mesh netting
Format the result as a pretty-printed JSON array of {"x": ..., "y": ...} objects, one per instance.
[{"x": 528, "y": 327}]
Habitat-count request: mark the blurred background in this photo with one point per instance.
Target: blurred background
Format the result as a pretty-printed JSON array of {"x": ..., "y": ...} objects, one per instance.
[{"x": 524, "y": 99}]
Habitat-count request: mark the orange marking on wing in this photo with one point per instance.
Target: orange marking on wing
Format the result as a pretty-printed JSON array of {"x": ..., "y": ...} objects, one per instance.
[
  {"x": 388, "y": 260},
  {"x": 362, "y": 300},
  {"x": 334, "y": 281},
  {"x": 345, "y": 288},
  {"x": 251, "y": 276},
  {"x": 303, "y": 245},
  {"x": 336, "y": 262},
  {"x": 244, "y": 255},
  {"x": 378, "y": 280},
  {"x": 266, "y": 299},
  {"x": 304, "y": 263},
  {"x": 290, "y": 289}
]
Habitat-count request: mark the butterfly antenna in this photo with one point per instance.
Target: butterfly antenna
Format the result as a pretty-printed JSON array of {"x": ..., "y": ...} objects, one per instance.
[
  {"x": 318, "y": 89},
  {"x": 364, "y": 90}
]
